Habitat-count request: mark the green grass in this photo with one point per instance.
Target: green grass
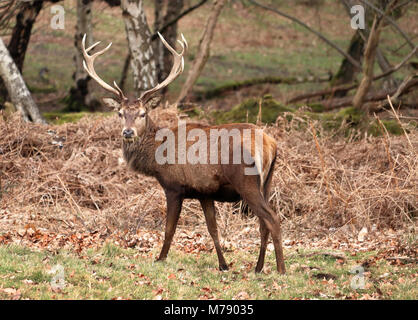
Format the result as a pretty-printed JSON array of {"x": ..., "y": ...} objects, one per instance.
[
  {"x": 64, "y": 117},
  {"x": 111, "y": 272}
]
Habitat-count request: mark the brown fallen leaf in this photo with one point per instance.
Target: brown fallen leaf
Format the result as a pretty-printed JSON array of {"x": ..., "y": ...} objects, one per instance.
[
  {"x": 158, "y": 291},
  {"x": 171, "y": 276},
  {"x": 12, "y": 292},
  {"x": 9, "y": 290},
  {"x": 242, "y": 296}
]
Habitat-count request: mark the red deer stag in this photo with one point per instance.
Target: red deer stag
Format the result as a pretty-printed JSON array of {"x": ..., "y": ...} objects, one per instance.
[{"x": 228, "y": 181}]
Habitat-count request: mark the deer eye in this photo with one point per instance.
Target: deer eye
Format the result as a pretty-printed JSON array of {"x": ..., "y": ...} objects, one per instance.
[{"x": 120, "y": 114}]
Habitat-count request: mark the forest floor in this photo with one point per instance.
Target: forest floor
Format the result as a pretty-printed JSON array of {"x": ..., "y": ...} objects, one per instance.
[
  {"x": 68, "y": 199},
  {"x": 347, "y": 202},
  {"x": 112, "y": 272}
]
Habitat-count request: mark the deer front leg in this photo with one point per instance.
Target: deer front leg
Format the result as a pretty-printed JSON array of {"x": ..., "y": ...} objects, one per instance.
[{"x": 174, "y": 203}]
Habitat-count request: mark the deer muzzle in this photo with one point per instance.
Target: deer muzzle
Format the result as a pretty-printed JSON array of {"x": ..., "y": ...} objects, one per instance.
[{"x": 128, "y": 134}]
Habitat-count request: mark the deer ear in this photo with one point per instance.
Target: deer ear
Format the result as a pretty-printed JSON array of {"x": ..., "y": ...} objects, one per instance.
[{"x": 111, "y": 103}]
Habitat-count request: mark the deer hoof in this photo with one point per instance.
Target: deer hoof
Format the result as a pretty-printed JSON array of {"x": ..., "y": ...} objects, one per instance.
[
  {"x": 223, "y": 268},
  {"x": 159, "y": 259}
]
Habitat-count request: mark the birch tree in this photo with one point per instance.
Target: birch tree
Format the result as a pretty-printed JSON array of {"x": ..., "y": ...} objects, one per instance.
[
  {"x": 80, "y": 94},
  {"x": 16, "y": 87},
  {"x": 139, "y": 40},
  {"x": 24, "y": 15},
  {"x": 22, "y": 30}
]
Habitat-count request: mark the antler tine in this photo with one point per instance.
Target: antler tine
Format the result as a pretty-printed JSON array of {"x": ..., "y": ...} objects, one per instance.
[
  {"x": 119, "y": 89},
  {"x": 88, "y": 65},
  {"x": 176, "y": 70},
  {"x": 91, "y": 47},
  {"x": 183, "y": 44}
]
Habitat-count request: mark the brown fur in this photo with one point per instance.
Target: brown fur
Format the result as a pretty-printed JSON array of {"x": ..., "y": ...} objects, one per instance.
[{"x": 205, "y": 182}]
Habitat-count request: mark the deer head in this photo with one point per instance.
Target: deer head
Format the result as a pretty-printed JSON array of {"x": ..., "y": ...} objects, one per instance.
[{"x": 133, "y": 114}]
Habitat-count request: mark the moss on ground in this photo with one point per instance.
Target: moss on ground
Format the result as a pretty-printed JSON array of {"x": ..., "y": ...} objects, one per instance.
[
  {"x": 350, "y": 117},
  {"x": 392, "y": 126},
  {"x": 270, "y": 110}
]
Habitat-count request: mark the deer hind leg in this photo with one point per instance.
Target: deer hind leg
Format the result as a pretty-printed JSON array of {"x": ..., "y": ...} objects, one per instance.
[
  {"x": 210, "y": 216},
  {"x": 260, "y": 207},
  {"x": 272, "y": 223},
  {"x": 264, "y": 232},
  {"x": 174, "y": 203}
]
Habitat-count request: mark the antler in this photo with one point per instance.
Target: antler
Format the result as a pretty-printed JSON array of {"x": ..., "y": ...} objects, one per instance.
[
  {"x": 176, "y": 70},
  {"x": 89, "y": 67}
]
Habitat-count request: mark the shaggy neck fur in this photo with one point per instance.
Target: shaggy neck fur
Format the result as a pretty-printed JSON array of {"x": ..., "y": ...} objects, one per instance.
[{"x": 140, "y": 153}]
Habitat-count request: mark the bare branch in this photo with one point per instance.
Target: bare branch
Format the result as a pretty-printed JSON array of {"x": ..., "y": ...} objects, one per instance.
[
  {"x": 369, "y": 57},
  {"x": 320, "y": 35},
  {"x": 391, "y": 21},
  {"x": 398, "y": 66},
  {"x": 331, "y": 104},
  {"x": 202, "y": 51},
  {"x": 176, "y": 19},
  {"x": 353, "y": 86},
  {"x": 401, "y": 89}
]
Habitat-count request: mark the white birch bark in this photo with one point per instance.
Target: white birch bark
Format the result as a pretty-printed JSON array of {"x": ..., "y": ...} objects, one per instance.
[
  {"x": 18, "y": 92},
  {"x": 139, "y": 40}
]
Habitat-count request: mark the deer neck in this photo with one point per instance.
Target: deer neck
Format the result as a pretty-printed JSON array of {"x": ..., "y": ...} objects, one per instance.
[{"x": 140, "y": 154}]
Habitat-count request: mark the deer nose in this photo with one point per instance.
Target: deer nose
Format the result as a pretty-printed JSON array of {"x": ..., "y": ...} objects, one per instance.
[{"x": 127, "y": 133}]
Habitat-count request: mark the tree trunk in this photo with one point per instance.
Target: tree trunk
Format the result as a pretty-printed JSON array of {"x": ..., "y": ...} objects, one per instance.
[
  {"x": 158, "y": 46},
  {"x": 203, "y": 50},
  {"x": 164, "y": 58},
  {"x": 347, "y": 71},
  {"x": 368, "y": 65},
  {"x": 345, "y": 75},
  {"x": 381, "y": 59},
  {"x": 139, "y": 40},
  {"x": 16, "y": 87},
  {"x": 79, "y": 95},
  {"x": 21, "y": 33}
]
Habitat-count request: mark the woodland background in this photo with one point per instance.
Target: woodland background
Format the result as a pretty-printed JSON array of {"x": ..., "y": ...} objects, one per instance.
[{"x": 345, "y": 183}]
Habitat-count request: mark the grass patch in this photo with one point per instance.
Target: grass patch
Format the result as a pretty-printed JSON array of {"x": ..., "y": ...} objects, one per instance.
[
  {"x": 73, "y": 117},
  {"x": 112, "y": 272}
]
